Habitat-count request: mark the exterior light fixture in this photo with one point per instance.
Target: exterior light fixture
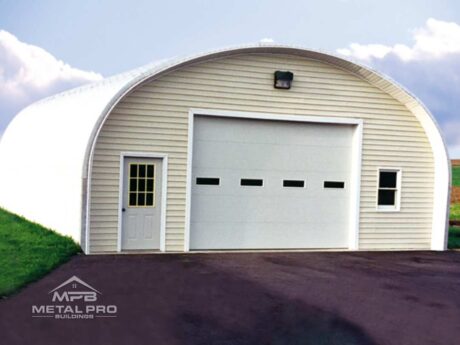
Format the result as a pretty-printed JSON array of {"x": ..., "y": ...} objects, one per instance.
[{"x": 283, "y": 79}]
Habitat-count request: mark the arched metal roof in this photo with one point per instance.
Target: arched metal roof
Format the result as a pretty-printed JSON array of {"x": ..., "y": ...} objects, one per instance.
[{"x": 55, "y": 139}]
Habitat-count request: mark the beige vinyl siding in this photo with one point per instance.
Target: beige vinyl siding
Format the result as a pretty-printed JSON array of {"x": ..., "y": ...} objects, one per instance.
[{"x": 154, "y": 118}]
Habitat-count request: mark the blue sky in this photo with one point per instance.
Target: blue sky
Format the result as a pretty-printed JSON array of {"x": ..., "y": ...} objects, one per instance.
[{"x": 49, "y": 45}]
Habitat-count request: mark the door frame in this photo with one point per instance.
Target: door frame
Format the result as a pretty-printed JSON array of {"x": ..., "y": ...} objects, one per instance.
[
  {"x": 357, "y": 143},
  {"x": 164, "y": 190}
]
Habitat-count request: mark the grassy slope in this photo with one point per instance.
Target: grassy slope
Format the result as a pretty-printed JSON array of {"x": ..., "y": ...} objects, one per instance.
[
  {"x": 456, "y": 176},
  {"x": 454, "y": 237},
  {"x": 455, "y": 211},
  {"x": 29, "y": 251},
  {"x": 454, "y": 232}
]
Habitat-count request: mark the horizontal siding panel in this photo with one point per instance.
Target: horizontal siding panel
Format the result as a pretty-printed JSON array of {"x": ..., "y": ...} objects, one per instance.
[
  {"x": 317, "y": 90},
  {"x": 104, "y": 237},
  {"x": 402, "y": 229},
  {"x": 271, "y": 95},
  {"x": 420, "y": 237},
  {"x": 261, "y": 103},
  {"x": 262, "y": 82},
  {"x": 203, "y": 81},
  {"x": 154, "y": 118},
  {"x": 144, "y": 147},
  {"x": 379, "y": 245},
  {"x": 181, "y": 101},
  {"x": 252, "y": 76},
  {"x": 151, "y": 131},
  {"x": 149, "y": 139},
  {"x": 397, "y": 241}
]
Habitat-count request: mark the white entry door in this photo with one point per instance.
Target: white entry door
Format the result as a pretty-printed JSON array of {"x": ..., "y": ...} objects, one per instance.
[
  {"x": 270, "y": 184},
  {"x": 141, "y": 209}
]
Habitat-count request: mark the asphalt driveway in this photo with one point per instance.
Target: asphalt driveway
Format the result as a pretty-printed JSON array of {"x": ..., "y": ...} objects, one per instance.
[{"x": 398, "y": 298}]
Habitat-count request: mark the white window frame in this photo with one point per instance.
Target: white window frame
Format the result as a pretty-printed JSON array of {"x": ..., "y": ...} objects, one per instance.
[{"x": 397, "y": 206}]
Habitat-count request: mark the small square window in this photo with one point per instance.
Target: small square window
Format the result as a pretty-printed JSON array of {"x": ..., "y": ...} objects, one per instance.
[
  {"x": 294, "y": 183},
  {"x": 211, "y": 181},
  {"x": 388, "y": 197},
  {"x": 334, "y": 184},
  {"x": 252, "y": 182}
]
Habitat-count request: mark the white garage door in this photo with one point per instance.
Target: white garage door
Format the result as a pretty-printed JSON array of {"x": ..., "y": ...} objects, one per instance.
[{"x": 259, "y": 184}]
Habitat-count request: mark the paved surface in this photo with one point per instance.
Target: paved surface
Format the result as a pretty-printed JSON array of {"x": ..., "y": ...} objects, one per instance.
[{"x": 278, "y": 298}]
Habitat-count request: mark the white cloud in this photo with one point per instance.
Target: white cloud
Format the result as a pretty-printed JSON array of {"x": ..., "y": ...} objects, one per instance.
[
  {"x": 430, "y": 68},
  {"x": 267, "y": 41},
  {"x": 433, "y": 41},
  {"x": 28, "y": 73}
]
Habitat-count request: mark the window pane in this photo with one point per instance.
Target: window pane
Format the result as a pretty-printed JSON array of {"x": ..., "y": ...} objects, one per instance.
[
  {"x": 387, "y": 197},
  {"x": 251, "y": 182},
  {"x": 149, "y": 199},
  {"x": 141, "y": 199},
  {"x": 388, "y": 179},
  {"x": 150, "y": 185},
  {"x": 142, "y": 170},
  {"x": 208, "y": 180},
  {"x": 133, "y": 168},
  {"x": 141, "y": 185},
  {"x": 150, "y": 170},
  {"x": 132, "y": 199},
  {"x": 132, "y": 184},
  {"x": 293, "y": 183},
  {"x": 334, "y": 184}
]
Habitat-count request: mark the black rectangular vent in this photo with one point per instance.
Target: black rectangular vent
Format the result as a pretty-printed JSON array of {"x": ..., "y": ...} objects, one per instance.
[
  {"x": 252, "y": 182},
  {"x": 334, "y": 184},
  {"x": 294, "y": 183},
  {"x": 213, "y": 181}
]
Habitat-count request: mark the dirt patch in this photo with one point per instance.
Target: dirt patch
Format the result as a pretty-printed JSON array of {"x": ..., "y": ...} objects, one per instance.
[{"x": 455, "y": 195}]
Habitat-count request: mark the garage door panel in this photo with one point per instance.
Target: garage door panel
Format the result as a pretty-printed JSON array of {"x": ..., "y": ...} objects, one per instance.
[
  {"x": 229, "y": 208},
  {"x": 268, "y": 235},
  {"x": 262, "y": 156},
  {"x": 285, "y": 133},
  {"x": 232, "y": 216}
]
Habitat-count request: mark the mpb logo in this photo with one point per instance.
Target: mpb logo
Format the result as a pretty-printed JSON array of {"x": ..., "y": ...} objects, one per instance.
[
  {"x": 71, "y": 296},
  {"x": 74, "y": 299}
]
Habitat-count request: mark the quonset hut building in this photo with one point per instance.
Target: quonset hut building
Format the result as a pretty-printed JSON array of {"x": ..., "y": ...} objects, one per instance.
[{"x": 255, "y": 147}]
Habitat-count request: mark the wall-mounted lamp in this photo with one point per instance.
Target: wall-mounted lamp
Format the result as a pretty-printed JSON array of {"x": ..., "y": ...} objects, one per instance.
[{"x": 283, "y": 79}]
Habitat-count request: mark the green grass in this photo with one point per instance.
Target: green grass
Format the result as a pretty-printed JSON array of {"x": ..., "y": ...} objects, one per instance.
[
  {"x": 454, "y": 237},
  {"x": 455, "y": 211},
  {"x": 456, "y": 176},
  {"x": 28, "y": 251}
]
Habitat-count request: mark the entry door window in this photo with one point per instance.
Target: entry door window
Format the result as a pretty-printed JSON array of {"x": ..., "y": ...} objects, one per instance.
[{"x": 141, "y": 185}]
